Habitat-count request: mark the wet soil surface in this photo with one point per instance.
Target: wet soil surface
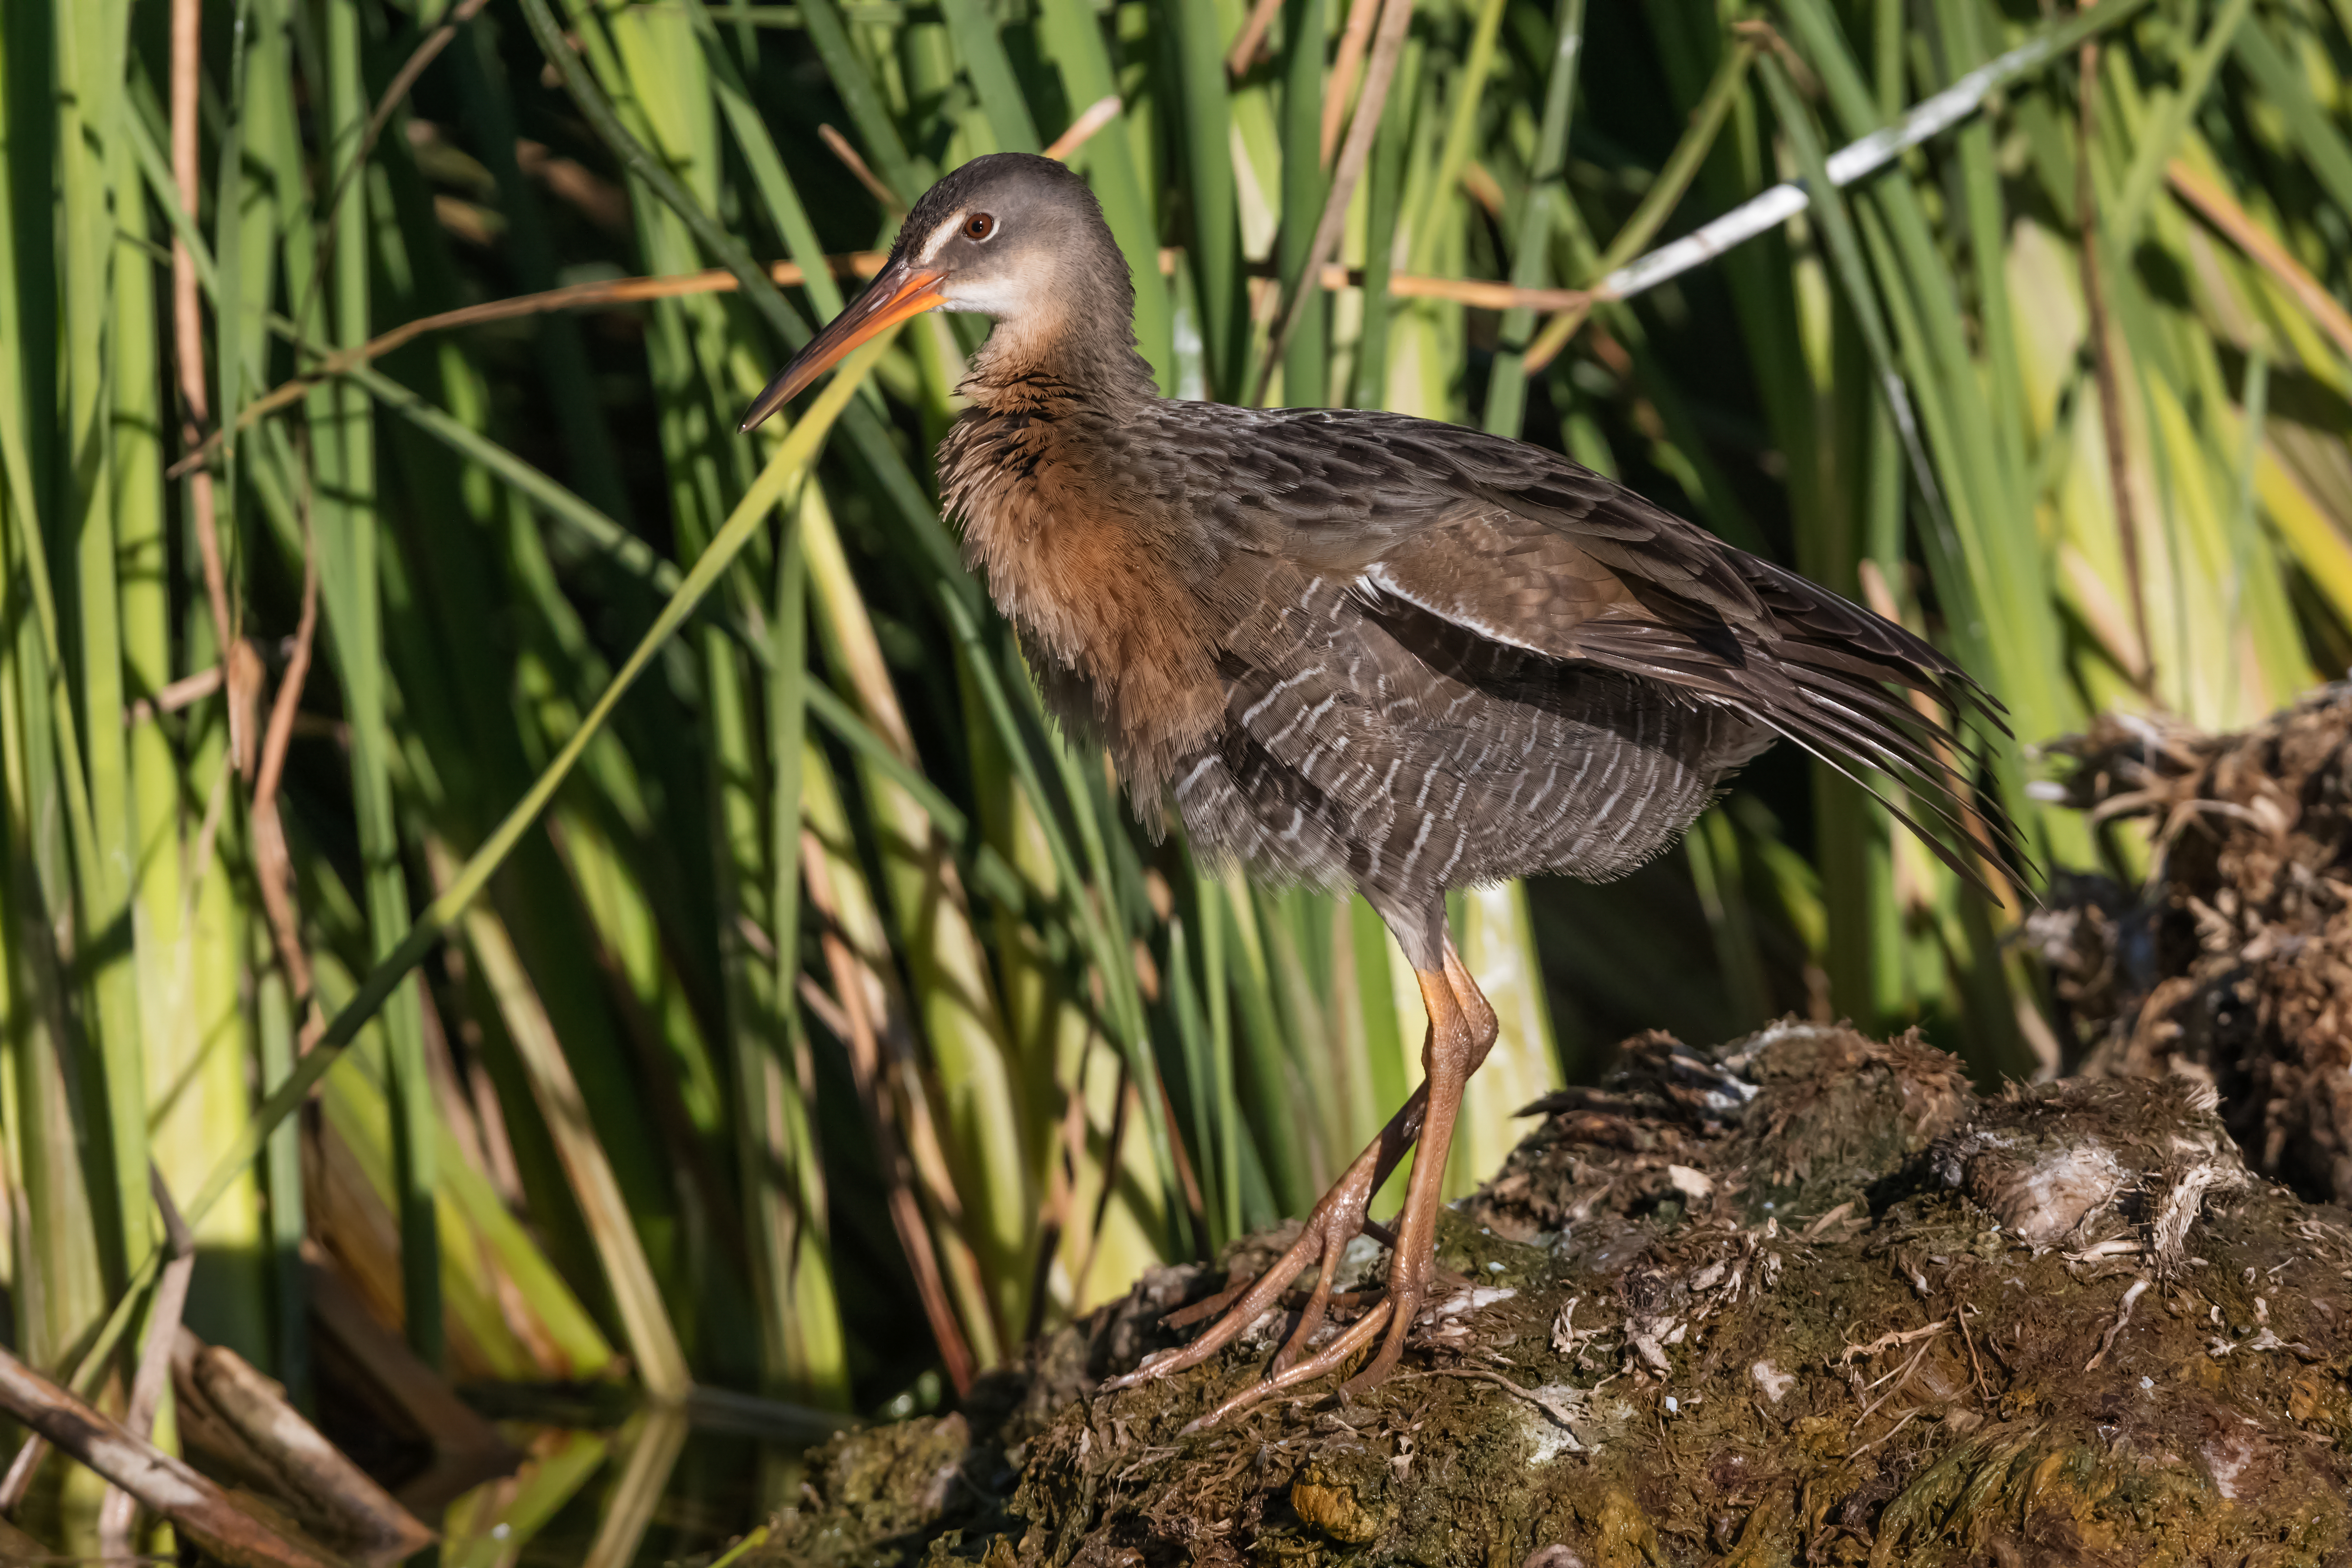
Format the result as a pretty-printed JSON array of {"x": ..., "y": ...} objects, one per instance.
[{"x": 1801, "y": 1299}]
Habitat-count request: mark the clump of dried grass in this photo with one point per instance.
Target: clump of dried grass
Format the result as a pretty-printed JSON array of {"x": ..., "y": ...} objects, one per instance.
[{"x": 2232, "y": 962}]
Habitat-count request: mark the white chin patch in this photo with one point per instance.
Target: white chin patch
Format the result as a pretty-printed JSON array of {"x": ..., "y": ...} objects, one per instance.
[{"x": 999, "y": 297}]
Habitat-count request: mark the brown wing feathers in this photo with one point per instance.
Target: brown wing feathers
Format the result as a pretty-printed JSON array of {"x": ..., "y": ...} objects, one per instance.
[
  {"x": 1695, "y": 614},
  {"x": 1825, "y": 674}
]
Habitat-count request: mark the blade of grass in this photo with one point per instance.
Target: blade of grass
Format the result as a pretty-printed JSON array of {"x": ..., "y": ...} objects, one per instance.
[
  {"x": 1298, "y": 348},
  {"x": 815, "y": 1361},
  {"x": 2154, "y": 149},
  {"x": 1466, "y": 95},
  {"x": 1204, "y": 120},
  {"x": 653, "y": 1341},
  {"x": 1072, "y": 36},
  {"x": 91, "y": 44},
  {"x": 344, "y": 452},
  {"x": 990, "y": 73},
  {"x": 1507, "y": 389}
]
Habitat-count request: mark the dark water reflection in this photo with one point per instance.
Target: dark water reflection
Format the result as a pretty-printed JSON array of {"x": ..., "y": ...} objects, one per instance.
[{"x": 654, "y": 1489}]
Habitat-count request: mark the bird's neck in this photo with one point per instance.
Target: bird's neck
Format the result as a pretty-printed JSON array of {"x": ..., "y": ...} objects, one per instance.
[{"x": 1071, "y": 351}]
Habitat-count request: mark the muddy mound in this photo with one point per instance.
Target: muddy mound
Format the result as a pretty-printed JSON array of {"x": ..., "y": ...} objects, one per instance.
[
  {"x": 2232, "y": 964},
  {"x": 1804, "y": 1298}
]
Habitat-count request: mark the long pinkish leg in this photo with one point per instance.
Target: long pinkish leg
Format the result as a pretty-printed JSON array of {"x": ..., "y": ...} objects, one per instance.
[{"x": 1462, "y": 1029}]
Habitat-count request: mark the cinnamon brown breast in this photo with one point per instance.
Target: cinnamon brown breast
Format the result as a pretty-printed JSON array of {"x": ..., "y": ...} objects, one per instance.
[{"x": 1107, "y": 588}]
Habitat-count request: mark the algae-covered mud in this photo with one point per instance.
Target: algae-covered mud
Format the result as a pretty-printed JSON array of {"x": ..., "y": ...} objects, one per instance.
[{"x": 1804, "y": 1298}]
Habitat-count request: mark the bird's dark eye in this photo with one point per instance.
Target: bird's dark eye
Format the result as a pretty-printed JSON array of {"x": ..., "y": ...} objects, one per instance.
[{"x": 979, "y": 226}]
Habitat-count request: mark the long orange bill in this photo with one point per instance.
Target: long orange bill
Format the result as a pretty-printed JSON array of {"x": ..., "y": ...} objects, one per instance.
[{"x": 899, "y": 292}]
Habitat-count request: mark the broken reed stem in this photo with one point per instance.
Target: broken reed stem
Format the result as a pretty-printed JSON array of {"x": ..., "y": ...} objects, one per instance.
[
  {"x": 1081, "y": 131},
  {"x": 2102, "y": 359},
  {"x": 1251, "y": 38},
  {"x": 163, "y": 1485},
  {"x": 179, "y": 694},
  {"x": 237, "y": 1407},
  {"x": 19, "y": 1481},
  {"x": 839, "y": 146},
  {"x": 119, "y": 1513}
]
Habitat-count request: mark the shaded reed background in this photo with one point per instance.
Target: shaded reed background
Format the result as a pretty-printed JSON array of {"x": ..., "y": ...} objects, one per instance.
[{"x": 833, "y": 1029}]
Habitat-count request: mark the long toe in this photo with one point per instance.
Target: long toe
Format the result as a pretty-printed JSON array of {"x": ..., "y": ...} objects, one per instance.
[
  {"x": 1322, "y": 1246},
  {"x": 1330, "y": 1358},
  {"x": 1404, "y": 1307}
]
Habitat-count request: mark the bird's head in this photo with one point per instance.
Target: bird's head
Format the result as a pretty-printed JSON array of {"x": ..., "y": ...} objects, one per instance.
[{"x": 1010, "y": 235}]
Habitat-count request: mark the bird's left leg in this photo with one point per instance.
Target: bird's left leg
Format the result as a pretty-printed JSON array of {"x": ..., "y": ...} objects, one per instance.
[
  {"x": 1482, "y": 1029},
  {"x": 1462, "y": 1029},
  {"x": 1322, "y": 1241}
]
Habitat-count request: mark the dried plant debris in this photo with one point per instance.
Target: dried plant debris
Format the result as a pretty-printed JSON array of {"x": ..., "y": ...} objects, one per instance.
[
  {"x": 1801, "y": 1300},
  {"x": 2233, "y": 965},
  {"x": 2103, "y": 1168}
]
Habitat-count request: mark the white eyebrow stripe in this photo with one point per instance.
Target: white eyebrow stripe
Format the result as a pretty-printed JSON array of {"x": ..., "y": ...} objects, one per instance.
[{"x": 939, "y": 238}]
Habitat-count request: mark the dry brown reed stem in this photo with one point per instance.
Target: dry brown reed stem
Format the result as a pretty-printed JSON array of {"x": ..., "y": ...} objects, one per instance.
[
  {"x": 166, "y": 1485},
  {"x": 1395, "y": 17},
  {"x": 19, "y": 1478},
  {"x": 1081, "y": 131},
  {"x": 1251, "y": 38},
  {"x": 178, "y": 694},
  {"x": 839, "y": 145},
  {"x": 2102, "y": 359},
  {"x": 330, "y": 1493},
  {"x": 273, "y": 862},
  {"x": 2222, "y": 211},
  {"x": 119, "y": 1510},
  {"x": 1350, "y": 61},
  {"x": 852, "y": 1021},
  {"x": 188, "y": 346}
]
